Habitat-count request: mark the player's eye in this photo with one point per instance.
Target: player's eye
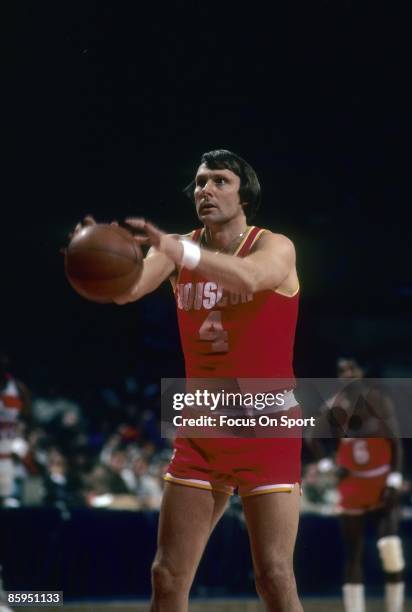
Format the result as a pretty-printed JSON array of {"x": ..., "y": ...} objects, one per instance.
[
  {"x": 219, "y": 180},
  {"x": 200, "y": 182}
]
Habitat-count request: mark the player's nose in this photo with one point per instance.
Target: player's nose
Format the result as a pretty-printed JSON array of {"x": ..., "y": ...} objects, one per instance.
[{"x": 207, "y": 187}]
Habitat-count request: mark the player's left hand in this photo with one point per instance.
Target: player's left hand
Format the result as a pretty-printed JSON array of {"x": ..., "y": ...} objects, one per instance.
[
  {"x": 148, "y": 233},
  {"x": 151, "y": 235}
]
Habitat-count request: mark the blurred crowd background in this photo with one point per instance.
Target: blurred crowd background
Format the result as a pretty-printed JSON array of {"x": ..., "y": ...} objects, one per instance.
[
  {"x": 107, "y": 453},
  {"x": 103, "y": 448}
]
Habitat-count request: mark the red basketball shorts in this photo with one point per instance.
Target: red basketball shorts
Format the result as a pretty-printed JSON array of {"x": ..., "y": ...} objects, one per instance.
[
  {"x": 250, "y": 466},
  {"x": 358, "y": 495}
]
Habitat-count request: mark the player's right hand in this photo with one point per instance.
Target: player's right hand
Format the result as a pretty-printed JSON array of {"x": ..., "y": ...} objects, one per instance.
[{"x": 87, "y": 221}]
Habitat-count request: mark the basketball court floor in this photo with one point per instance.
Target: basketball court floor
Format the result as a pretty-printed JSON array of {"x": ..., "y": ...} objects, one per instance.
[{"x": 219, "y": 605}]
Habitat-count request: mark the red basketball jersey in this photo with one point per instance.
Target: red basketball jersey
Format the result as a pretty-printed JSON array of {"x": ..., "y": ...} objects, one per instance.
[
  {"x": 365, "y": 456},
  {"x": 225, "y": 334}
]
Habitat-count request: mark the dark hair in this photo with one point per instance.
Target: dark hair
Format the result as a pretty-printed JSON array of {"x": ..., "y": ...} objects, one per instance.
[
  {"x": 357, "y": 363},
  {"x": 350, "y": 358},
  {"x": 249, "y": 190}
]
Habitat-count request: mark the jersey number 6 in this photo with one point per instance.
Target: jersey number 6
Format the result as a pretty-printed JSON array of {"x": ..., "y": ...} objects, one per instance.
[{"x": 361, "y": 452}]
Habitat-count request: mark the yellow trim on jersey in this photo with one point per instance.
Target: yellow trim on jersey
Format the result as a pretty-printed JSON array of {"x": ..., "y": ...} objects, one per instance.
[
  {"x": 244, "y": 240},
  {"x": 288, "y": 295},
  {"x": 195, "y": 485},
  {"x": 256, "y": 238},
  {"x": 288, "y": 489},
  {"x": 174, "y": 283}
]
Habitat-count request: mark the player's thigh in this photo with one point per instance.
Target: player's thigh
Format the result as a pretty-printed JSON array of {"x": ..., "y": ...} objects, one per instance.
[
  {"x": 187, "y": 517},
  {"x": 272, "y": 521},
  {"x": 352, "y": 529}
]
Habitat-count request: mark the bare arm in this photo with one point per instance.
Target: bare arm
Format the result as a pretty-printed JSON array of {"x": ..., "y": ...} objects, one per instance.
[
  {"x": 385, "y": 410},
  {"x": 397, "y": 455},
  {"x": 267, "y": 267},
  {"x": 157, "y": 268},
  {"x": 388, "y": 414}
]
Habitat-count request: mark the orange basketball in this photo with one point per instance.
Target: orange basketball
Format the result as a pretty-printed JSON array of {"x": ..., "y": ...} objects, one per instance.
[{"x": 103, "y": 262}]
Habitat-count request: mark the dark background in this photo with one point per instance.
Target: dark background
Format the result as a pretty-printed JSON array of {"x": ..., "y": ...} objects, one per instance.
[{"x": 111, "y": 105}]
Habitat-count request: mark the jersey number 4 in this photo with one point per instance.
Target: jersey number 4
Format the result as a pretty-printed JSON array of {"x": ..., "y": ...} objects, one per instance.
[{"x": 212, "y": 331}]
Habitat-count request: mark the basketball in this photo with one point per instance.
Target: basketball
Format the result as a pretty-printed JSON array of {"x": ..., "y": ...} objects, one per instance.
[{"x": 102, "y": 262}]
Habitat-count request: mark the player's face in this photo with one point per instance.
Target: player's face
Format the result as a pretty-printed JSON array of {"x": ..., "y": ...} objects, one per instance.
[
  {"x": 349, "y": 369},
  {"x": 217, "y": 195}
]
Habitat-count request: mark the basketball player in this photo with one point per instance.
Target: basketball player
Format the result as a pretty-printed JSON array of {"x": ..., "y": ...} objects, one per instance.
[
  {"x": 370, "y": 480},
  {"x": 236, "y": 291}
]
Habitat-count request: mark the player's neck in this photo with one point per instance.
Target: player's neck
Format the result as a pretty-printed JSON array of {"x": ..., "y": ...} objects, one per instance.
[{"x": 221, "y": 237}]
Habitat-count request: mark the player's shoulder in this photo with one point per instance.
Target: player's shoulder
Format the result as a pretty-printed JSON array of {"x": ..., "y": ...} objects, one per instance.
[
  {"x": 268, "y": 239},
  {"x": 196, "y": 235}
]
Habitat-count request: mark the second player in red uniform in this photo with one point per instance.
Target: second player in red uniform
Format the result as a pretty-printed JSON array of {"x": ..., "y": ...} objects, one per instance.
[{"x": 369, "y": 469}]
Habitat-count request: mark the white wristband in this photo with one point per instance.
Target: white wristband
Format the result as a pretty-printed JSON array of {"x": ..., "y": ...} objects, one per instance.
[
  {"x": 394, "y": 480},
  {"x": 191, "y": 254}
]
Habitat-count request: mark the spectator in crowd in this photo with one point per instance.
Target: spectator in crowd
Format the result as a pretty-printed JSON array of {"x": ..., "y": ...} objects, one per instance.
[
  {"x": 145, "y": 485},
  {"x": 15, "y": 407},
  {"x": 63, "y": 489}
]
